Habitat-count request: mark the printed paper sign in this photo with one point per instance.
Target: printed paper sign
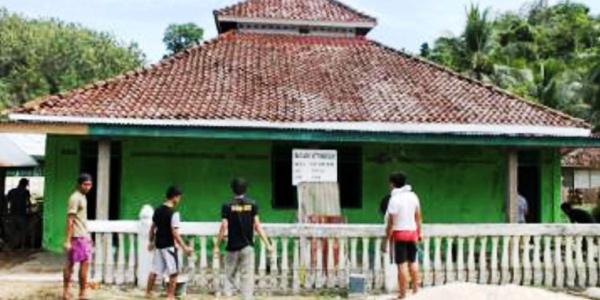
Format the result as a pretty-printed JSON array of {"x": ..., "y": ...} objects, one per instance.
[{"x": 314, "y": 166}]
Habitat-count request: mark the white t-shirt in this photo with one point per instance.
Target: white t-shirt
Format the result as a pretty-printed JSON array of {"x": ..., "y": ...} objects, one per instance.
[
  {"x": 404, "y": 204},
  {"x": 175, "y": 220}
]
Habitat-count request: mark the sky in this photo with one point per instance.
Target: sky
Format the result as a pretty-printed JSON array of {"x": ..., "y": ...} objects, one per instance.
[{"x": 402, "y": 24}]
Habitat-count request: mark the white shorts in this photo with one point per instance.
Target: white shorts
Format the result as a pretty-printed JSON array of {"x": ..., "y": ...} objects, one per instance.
[{"x": 165, "y": 261}]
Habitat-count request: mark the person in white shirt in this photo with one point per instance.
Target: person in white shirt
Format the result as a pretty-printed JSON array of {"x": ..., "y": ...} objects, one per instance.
[
  {"x": 522, "y": 208},
  {"x": 403, "y": 230}
]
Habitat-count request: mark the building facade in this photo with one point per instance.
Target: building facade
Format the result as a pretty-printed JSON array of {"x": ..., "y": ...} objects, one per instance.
[{"x": 291, "y": 74}]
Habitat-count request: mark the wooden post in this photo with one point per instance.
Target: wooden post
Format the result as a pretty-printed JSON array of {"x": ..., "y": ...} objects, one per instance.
[
  {"x": 511, "y": 186},
  {"x": 103, "y": 180}
]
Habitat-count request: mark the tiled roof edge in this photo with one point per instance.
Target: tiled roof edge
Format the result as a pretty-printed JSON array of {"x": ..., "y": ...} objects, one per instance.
[
  {"x": 36, "y": 103},
  {"x": 219, "y": 12},
  {"x": 354, "y": 10},
  {"x": 483, "y": 84}
]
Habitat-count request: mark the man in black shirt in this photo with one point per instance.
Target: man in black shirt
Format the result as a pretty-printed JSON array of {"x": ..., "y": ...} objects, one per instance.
[
  {"x": 240, "y": 220},
  {"x": 576, "y": 215},
  {"x": 164, "y": 234},
  {"x": 19, "y": 202}
]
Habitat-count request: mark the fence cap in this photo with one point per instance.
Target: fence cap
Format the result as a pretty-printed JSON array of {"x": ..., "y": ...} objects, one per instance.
[{"x": 146, "y": 212}]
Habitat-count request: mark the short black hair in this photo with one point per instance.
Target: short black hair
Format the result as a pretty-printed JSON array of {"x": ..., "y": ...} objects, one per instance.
[
  {"x": 173, "y": 191},
  {"x": 83, "y": 177},
  {"x": 398, "y": 179},
  {"x": 239, "y": 186},
  {"x": 23, "y": 182}
]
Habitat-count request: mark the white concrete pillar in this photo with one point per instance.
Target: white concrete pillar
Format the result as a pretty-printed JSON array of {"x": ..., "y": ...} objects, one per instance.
[
  {"x": 512, "y": 169},
  {"x": 103, "y": 180},
  {"x": 144, "y": 256}
]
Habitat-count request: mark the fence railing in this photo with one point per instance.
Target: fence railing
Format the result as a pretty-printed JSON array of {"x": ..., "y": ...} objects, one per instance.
[{"x": 315, "y": 257}]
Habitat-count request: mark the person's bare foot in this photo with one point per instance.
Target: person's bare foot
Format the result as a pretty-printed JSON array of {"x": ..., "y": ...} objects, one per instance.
[
  {"x": 83, "y": 296},
  {"x": 149, "y": 295},
  {"x": 67, "y": 296}
]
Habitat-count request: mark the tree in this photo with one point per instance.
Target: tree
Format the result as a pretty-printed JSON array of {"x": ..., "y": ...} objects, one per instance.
[
  {"x": 181, "y": 36},
  {"x": 476, "y": 37},
  {"x": 425, "y": 50},
  {"x": 41, "y": 56},
  {"x": 546, "y": 53}
]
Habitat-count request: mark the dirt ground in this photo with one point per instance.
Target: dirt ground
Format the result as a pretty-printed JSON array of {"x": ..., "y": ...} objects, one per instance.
[
  {"x": 31, "y": 276},
  {"x": 459, "y": 291},
  {"x": 52, "y": 291}
]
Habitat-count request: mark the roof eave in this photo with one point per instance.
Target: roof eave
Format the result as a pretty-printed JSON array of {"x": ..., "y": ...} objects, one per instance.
[
  {"x": 374, "y": 127},
  {"x": 313, "y": 23}
]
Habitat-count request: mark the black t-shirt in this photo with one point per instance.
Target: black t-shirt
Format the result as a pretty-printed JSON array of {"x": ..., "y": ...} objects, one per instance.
[
  {"x": 19, "y": 200},
  {"x": 580, "y": 216},
  {"x": 240, "y": 215},
  {"x": 163, "y": 219}
]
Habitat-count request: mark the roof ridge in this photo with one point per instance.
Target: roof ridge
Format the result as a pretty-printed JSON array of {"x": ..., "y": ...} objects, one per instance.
[
  {"x": 353, "y": 10},
  {"x": 218, "y": 12},
  {"x": 169, "y": 60},
  {"x": 482, "y": 84}
]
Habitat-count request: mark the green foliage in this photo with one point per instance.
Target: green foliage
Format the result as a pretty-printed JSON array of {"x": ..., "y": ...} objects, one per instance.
[
  {"x": 181, "y": 36},
  {"x": 40, "y": 57},
  {"x": 546, "y": 53}
]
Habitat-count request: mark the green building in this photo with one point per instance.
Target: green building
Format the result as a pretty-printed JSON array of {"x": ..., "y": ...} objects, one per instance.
[{"x": 282, "y": 76}]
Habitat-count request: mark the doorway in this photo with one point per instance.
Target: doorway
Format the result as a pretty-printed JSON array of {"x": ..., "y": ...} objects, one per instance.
[
  {"x": 529, "y": 183},
  {"x": 89, "y": 164}
]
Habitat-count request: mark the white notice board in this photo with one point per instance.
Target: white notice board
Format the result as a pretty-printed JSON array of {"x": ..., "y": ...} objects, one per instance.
[{"x": 314, "y": 166}]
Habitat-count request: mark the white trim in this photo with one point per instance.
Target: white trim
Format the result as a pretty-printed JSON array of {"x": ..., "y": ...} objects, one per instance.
[
  {"x": 267, "y": 21},
  {"x": 488, "y": 129}
]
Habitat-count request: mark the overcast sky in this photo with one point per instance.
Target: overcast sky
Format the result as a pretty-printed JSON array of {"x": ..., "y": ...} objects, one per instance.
[{"x": 403, "y": 24}]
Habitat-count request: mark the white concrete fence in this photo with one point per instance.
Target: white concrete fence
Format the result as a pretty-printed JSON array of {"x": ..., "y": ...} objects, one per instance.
[{"x": 317, "y": 257}]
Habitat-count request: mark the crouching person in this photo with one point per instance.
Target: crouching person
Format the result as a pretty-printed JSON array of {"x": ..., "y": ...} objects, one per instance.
[
  {"x": 240, "y": 220},
  {"x": 164, "y": 235}
]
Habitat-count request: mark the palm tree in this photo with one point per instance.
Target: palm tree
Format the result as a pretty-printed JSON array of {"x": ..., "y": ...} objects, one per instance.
[{"x": 477, "y": 36}]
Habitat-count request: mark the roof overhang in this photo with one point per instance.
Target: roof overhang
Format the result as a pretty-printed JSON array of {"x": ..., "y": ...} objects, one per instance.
[
  {"x": 13, "y": 156},
  {"x": 44, "y": 128},
  {"x": 421, "y": 128}
]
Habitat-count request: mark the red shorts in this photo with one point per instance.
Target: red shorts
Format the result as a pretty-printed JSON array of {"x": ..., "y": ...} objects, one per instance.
[{"x": 405, "y": 235}]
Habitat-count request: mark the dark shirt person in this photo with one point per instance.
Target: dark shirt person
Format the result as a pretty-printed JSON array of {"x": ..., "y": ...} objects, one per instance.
[
  {"x": 576, "y": 215},
  {"x": 164, "y": 236},
  {"x": 18, "y": 200},
  {"x": 240, "y": 220}
]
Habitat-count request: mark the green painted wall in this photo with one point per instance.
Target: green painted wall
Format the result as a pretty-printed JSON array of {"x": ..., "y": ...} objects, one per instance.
[
  {"x": 60, "y": 171},
  {"x": 455, "y": 183},
  {"x": 202, "y": 168},
  {"x": 551, "y": 186}
]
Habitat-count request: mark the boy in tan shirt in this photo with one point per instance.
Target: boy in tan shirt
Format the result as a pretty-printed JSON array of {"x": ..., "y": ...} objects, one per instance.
[{"x": 78, "y": 244}]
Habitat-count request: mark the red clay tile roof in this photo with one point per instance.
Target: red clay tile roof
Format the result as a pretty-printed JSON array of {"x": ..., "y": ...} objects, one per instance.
[
  {"x": 279, "y": 78},
  {"x": 582, "y": 158},
  {"x": 310, "y": 10}
]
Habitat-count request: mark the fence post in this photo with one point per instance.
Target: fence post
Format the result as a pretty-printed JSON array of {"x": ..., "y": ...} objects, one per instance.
[{"x": 143, "y": 255}]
